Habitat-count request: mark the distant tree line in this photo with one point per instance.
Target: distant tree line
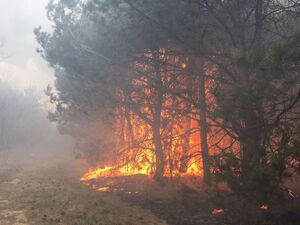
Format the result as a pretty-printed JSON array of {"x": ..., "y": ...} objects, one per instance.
[
  {"x": 23, "y": 120},
  {"x": 174, "y": 83}
]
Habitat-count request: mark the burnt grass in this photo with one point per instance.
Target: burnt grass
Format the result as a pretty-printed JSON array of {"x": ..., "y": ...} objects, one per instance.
[{"x": 188, "y": 202}]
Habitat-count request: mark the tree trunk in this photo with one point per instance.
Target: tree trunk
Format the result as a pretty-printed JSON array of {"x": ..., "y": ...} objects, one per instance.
[
  {"x": 203, "y": 125},
  {"x": 251, "y": 147},
  {"x": 156, "y": 126},
  {"x": 251, "y": 133},
  {"x": 186, "y": 139},
  {"x": 186, "y": 146},
  {"x": 159, "y": 154}
]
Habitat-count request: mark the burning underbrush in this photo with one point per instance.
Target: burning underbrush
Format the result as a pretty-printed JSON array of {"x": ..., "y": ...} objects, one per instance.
[
  {"x": 111, "y": 171},
  {"x": 129, "y": 170}
]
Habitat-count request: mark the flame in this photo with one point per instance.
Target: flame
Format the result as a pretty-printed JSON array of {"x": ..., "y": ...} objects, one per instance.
[
  {"x": 217, "y": 211},
  {"x": 95, "y": 173},
  {"x": 142, "y": 161},
  {"x": 107, "y": 171},
  {"x": 103, "y": 189},
  {"x": 180, "y": 133},
  {"x": 194, "y": 168},
  {"x": 264, "y": 207}
]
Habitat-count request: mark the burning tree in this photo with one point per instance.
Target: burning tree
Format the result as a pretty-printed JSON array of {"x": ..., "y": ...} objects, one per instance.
[{"x": 203, "y": 87}]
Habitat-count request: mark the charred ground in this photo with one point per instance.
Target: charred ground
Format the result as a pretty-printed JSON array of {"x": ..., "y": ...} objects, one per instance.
[{"x": 183, "y": 202}]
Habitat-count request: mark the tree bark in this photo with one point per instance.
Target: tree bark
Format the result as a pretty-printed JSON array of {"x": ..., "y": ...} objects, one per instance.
[
  {"x": 159, "y": 156},
  {"x": 186, "y": 146},
  {"x": 203, "y": 125},
  {"x": 186, "y": 139},
  {"x": 156, "y": 126},
  {"x": 250, "y": 141}
]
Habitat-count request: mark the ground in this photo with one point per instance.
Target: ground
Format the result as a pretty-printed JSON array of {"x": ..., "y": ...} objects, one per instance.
[
  {"x": 189, "y": 202},
  {"x": 50, "y": 193}
]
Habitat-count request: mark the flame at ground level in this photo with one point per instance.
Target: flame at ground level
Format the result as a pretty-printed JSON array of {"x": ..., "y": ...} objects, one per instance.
[
  {"x": 107, "y": 171},
  {"x": 217, "y": 211},
  {"x": 264, "y": 207},
  {"x": 110, "y": 171}
]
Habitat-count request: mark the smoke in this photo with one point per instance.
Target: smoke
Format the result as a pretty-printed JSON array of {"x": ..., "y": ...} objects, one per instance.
[{"x": 25, "y": 130}]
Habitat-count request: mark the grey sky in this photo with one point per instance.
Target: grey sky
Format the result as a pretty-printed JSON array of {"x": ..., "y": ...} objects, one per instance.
[{"x": 24, "y": 68}]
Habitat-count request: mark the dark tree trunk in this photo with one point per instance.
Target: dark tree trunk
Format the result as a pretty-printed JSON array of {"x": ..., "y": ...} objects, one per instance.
[
  {"x": 250, "y": 141},
  {"x": 186, "y": 146},
  {"x": 156, "y": 126},
  {"x": 130, "y": 135},
  {"x": 186, "y": 139},
  {"x": 251, "y": 132},
  {"x": 203, "y": 126},
  {"x": 159, "y": 154}
]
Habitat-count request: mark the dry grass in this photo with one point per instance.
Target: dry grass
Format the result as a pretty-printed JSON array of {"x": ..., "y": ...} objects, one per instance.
[{"x": 51, "y": 194}]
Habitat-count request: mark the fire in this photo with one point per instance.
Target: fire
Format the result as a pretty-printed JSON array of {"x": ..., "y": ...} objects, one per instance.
[
  {"x": 130, "y": 169},
  {"x": 264, "y": 207},
  {"x": 94, "y": 173},
  {"x": 103, "y": 189},
  {"x": 142, "y": 161},
  {"x": 194, "y": 169},
  {"x": 134, "y": 151},
  {"x": 217, "y": 211}
]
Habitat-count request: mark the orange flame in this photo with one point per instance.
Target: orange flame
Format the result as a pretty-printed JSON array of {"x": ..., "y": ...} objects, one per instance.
[
  {"x": 103, "y": 189},
  {"x": 94, "y": 173},
  {"x": 108, "y": 171},
  {"x": 264, "y": 207},
  {"x": 133, "y": 134},
  {"x": 217, "y": 211}
]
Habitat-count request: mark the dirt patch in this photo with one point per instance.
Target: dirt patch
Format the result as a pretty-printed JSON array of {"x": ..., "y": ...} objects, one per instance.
[
  {"x": 51, "y": 194},
  {"x": 9, "y": 216}
]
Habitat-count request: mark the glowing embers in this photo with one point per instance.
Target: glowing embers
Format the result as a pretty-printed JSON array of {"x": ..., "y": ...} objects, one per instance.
[
  {"x": 264, "y": 207},
  {"x": 217, "y": 211},
  {"x": 183, "y": 65},
  {"x": 103, "y": 189}
]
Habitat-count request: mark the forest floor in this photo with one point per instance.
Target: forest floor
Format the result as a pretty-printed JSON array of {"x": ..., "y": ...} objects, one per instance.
[
  {"x": 188, "y": 202},
  {"x": 47, "y": 191},
  {"x": 50, "y": 193}
]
